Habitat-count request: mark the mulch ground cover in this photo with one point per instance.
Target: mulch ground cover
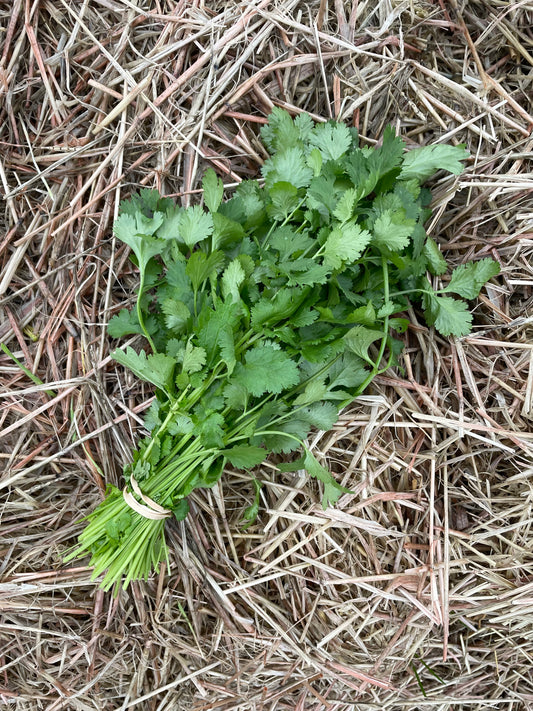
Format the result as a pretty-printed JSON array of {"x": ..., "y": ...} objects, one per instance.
[{"x": 416, "y": 590}]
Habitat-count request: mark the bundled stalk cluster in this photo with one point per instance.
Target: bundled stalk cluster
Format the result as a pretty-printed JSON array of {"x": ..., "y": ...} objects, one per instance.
[{"x": 266, "y": 314}]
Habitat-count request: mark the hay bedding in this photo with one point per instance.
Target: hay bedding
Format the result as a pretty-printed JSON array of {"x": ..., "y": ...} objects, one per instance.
[{"x": 417, "y": 590}]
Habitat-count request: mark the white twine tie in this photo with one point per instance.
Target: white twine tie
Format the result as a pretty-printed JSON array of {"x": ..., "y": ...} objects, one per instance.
[{"x": 152, "y": 510}]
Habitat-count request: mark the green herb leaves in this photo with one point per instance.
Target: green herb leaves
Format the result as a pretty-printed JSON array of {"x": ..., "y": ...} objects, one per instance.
[
  {"x": 156, "y": 368},
  {"x": 266, "y": 369},
  {"x": 267, "y": 313},
  {"x": 345, "y": 243},
  {"x": 450, "y": 317},
  {"x": 468, "y": 279},
  {"x": 213, "y": 190},
  {"x": 422, "y": 163}
]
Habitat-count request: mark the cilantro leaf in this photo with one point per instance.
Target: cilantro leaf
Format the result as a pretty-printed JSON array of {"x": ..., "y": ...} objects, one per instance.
[
  {"x": 226, "y": 232},
  {"x": 213, "y": 190},
  {"x": 235, "y": 396},
  {"x": 332, "y": 490},
  {"x": 359, "y": 339},
  {"x": 450, "y": 316},
  {"x": 345, "y": 206},
  {"x": 356, "y": 165},
  {"x": 226, "y": 343},
  {"x": 176, "y": 313},
  {"x": 283, "y": 132},
  {"x": 232, "y": 278},
  {"x": 467, "y": 279},
  {"x": 288, "y": 242},
  {"x": 118, "y": 528},
  {"x": 304, "y": 317},
  {"x": 392, "y": 230},
  {"x": 422, "y": 163},
  {"x": 152, "y": 419},
  {"x": 195, "y": 225},
  {"x": 322, "y": 415},
  {"x": 280, "y": 132},
  {"x": 314, "y": 161},
  {"x": 177, "y": 277},
  {"x": 245, "y": 456},
  {"x": 289, "y": 166},
  {"x": 345, "y": 244},
  {"x": 156, "y": 368},
  {"x": 149, "y": 201},
  {"x": 266, "y": 369},
  {"x": 250, "y": 513},
  {"x": 304, "y": 123},
  {"x": 366, "y": 315},
  {"x": 348, "y": 371},
  {"x": 170, "y": 226},
  {"x": 285, "y": 436},
  {"x": 388, "y": 155},
  {"x": 209, "y": 427},
  {"x": 437, "y": 263},
  {"x": 180, "y": 509},
  {"x": 388, "y": 308},
  {"x": 137, "y": 233},
  {"x": 284, "y": 198},
  {"x": 321, "y": 196},
  {"x": 270, "y": 309},
  {"x": 331, "y": 139},
  {"x": 216, "y": 332},
  {"x": 181, "y": 424},
  {"x": 305, "y": 272},
  {"x": 315, "y": 391},
  {"x": 194, "y": 358},
  {"x": 125, "y": 323},
  {"x": 200, "y": 266},
  {"x": 251, "y": 199}
]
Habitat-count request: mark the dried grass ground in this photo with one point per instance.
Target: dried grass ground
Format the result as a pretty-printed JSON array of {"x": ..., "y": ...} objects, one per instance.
[{"x": 417, "y": 590}]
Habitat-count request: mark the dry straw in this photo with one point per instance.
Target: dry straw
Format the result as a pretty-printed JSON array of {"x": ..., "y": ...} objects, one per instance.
[{"x": 417, "y": 590}]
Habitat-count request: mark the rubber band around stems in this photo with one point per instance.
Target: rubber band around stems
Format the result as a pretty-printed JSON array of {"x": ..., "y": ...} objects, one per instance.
[{"x": 152, "y": 510}]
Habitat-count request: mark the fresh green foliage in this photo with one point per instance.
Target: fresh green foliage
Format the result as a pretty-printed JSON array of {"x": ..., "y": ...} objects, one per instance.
[
  {"x": 267, "y": 313},
  {"x": 250, "y": 513},
  {"x": 468, "y": 279},
  {"x": 422, "y": 163}
]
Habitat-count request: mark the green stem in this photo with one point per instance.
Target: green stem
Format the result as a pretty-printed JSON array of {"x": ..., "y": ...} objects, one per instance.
[
  {"x": 28, "y": 372},
  {"x": 387, "y": 366},
  {"x": 285, "y": 221},
  {"x": 375, "y": 369},
  {"x": 173, "y": 411},
  {"x": 413, "y": 291},
  {"x": 195, "y": 303},
  {"x": 282, "y": 434},
  {"x": 140, "y": 317}
]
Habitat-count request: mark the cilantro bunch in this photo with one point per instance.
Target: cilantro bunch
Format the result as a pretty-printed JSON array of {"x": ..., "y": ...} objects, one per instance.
[{"x": 268, "y": 313}]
